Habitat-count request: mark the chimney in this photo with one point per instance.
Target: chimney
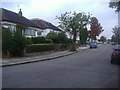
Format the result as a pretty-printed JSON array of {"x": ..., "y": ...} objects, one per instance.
[{"x": 20, "y": 12}]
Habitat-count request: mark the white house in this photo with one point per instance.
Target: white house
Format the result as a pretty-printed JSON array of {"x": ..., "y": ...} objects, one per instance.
[
  {"x": 46, "y": 27},
  {"x": 11, "y": 20},
  {"x": 69, "y": 34}
]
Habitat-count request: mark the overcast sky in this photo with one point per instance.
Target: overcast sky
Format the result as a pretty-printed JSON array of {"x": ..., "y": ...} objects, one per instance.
[{"x": 49, "y": 9}]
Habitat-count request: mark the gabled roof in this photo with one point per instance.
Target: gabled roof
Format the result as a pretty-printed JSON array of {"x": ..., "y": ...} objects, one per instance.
[
  {"x": 40, "y": 23},
  {"x": 45, "y": 24},
  {"x": 16, "y": 18}
]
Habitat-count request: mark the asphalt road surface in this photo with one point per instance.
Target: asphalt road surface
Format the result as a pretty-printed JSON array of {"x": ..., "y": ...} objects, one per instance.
[{"x": 89, "y": 68}]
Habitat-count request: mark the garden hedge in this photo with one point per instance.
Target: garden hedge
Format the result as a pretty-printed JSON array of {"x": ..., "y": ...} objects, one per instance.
[{"x": 45, "y": 47}]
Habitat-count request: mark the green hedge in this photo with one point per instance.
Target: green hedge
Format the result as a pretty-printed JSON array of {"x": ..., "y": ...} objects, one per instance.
[
  {"x": 13, "y": 43},
  {"x": 39, "y": 48},
  {"x": 45, "y": 47},
  {"x": 59, "y": 47},
  {"x": 38, "y": 40}
]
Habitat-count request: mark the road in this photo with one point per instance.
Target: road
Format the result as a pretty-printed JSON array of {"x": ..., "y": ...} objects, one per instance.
[{"x": 90, "y": 68}]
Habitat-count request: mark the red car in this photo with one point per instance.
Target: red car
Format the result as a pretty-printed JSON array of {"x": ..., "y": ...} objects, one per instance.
[{"x": 115, "y": 56}]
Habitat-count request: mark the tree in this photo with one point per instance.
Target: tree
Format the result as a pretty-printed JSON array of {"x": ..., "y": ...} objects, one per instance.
[
  {"x": 95, "y": 27},
  {"x": 115, "y": 5},
  {"x": 83, "y": 36},
  {"x": 68, "y": 22},
  {"x": 73, "y": 22},
  {"x": 116, "y": 30},
  {"x": 83, "y": 21},
  {"x": 116, "y": 36}
]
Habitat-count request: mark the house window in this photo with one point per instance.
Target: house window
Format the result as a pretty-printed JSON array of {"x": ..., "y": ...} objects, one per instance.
[
  {"x": 29, "y": 32},
  {"x": 39, "y": 33},
  {"x": 32, "y": 32},
  {"x": 12, "y": 28}
]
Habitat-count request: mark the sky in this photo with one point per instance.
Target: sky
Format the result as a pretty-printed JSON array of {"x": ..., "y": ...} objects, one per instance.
[{"x": 49, "y": 9}]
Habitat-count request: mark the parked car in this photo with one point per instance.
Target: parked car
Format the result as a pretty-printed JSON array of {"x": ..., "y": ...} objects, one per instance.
[
  {"x": 105, "y": 43},
  {"x": 115, "y": 56},
  {"x": 93, "y": 45},
  {"x": 112, "y": 43}
]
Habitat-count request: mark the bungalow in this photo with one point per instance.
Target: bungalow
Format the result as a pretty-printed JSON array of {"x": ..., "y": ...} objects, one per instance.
[
  {"x": 34, "y": 27},
  {"x": 11, "y": 20},
  {"x": 46, "y": 27}
]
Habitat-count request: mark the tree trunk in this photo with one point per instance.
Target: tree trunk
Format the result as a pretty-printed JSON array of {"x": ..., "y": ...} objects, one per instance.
[{"x": 73, "y": 47}]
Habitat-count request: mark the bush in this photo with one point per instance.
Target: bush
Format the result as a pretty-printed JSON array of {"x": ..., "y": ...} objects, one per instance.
[
  {"x": 6, "y": 40},
  {"x": 38, "y": 40},
  {"x": 69, "y": 41},
  {"x": 40, "y": 47},
  {"x": 28, "y": 40},
  {"x": 17, "y": 44},
  {"x": 48, "y": 40},
  {"x": 14, "y": 43},
  {"x": 59, "y": 47},
  {"x": 53, "y": 36},
  {"x": 46, "y": 47},
  {"x": 62, "y": 37}
]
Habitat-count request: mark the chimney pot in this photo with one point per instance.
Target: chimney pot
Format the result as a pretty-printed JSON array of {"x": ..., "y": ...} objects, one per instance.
[{"x": 20, "y": 12}]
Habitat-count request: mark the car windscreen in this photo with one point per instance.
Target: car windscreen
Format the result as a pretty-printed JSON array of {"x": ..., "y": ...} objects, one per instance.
[{"x": 93, "y": 43}]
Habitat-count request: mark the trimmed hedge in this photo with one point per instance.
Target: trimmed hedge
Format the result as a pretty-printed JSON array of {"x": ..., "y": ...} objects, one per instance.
[
  {"x": 45, "y": 47},
  {"x": 39, "y": 48},
  {"x": 38, "y": 40},
  {"x": 59, "y": 47}
]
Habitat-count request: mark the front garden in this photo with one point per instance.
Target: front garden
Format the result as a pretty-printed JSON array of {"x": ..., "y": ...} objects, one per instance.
[{"x": 14, "y": 44}]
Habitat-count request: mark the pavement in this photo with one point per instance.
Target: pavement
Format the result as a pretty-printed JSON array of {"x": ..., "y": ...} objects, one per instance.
[{"x": 43, "y": 57}]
